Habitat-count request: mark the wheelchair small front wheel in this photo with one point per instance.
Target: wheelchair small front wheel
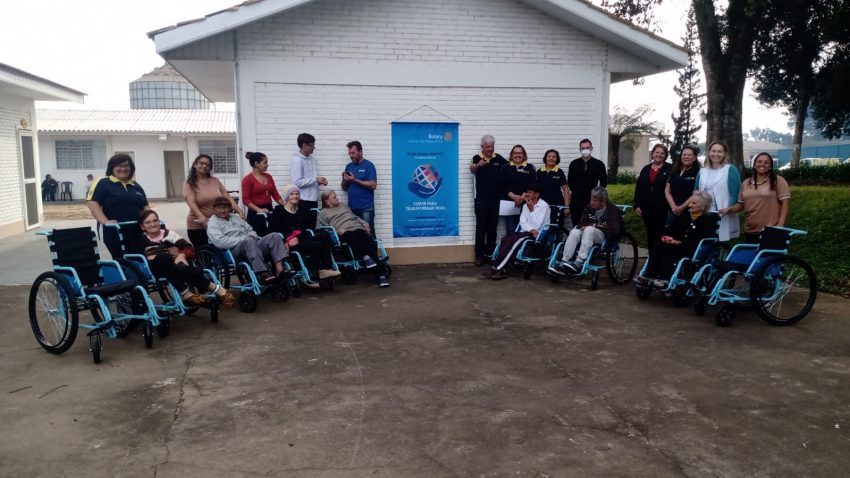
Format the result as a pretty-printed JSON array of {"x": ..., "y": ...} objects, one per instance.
[
  {"x": 164, "y": 328},
  {"x": 725, "y": 316},
  {"x": 784, "y": 290},
  {"x": 681, "y": 296},
  {"x": 54, "y": 317},
  {"x": 95, "y": 347},
  {"x": 148, "y": 334},
  {"x": 643, "y": 291},
  {"x": 700, "y": 306},
  {"x": 280, "y": 293},
  {"x": 247, "y": 302},
  {"x": 594, "y": 280},
  {"x": 621, "y": 260}
]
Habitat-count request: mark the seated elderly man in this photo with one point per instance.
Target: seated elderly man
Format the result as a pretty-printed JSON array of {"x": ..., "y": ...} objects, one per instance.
[
  {"x": 600, "y": 220},
  {"x": 535, "y": 214},
  {"x": 681, "y": 238},
  {"x": 229, "y": 231}
]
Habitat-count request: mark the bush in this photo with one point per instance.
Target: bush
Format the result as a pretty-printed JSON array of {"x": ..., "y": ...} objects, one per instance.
[
  {"x": 624, "y": 177},
  {"x": 818, "y": 210},
  {"x": 817, "y": 175}
]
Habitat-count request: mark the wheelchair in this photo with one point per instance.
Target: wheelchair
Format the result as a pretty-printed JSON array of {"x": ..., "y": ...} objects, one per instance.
[
  {"x": 532, "y": 250},
  {"x": 223, "y": 266},
  {"x": 136, "y": 267},
  {"x": 689, "y": 277},
  {"x": 81, "y": 281},
  {"x": 296, "y": 261},
  {"x": 345, "y": 260},
  {"x": 780, "y": 287},
  {"x": 619, "y": 258}
]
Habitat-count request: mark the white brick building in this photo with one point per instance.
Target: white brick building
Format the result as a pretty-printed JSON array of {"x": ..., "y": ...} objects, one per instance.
[
  {"x": 532, "y": 72},
  {"x": 20, "y": 183}
]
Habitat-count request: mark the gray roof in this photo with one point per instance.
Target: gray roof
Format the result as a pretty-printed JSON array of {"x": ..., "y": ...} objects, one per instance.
[{"x": 136, "y": 121}]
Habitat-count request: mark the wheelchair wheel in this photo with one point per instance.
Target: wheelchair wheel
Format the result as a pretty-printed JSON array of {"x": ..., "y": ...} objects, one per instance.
[
  {"x": 210, "y": 257},
  {"x": 214, "y": 309},
  {"x": 783, "y": 292},
  {"x": 53, "y": 312},
  {"x": 280, "y": 293},
  {"x": 526, "y": 272},
  {"x": 95, "y": 347},
  {"x": 725, "y": 316},
  {"x": 164, "y": 328},
  {"x": 148, "y": 333},
  {"x": 700, "y": 306},
  {"x": 681, "y": 297},
  {"x": 349, "y": 276},
  {"x": 621, "y": 261},
  {"x": 247, "y": 302},
  {"x": 643, "y": 291}
]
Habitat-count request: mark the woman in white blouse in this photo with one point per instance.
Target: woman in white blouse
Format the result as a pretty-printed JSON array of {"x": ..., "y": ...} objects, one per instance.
[{"x": 722, "y": 181}]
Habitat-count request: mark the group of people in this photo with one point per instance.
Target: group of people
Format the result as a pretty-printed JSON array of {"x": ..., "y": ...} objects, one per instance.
[{"x": 264, "y": 236}]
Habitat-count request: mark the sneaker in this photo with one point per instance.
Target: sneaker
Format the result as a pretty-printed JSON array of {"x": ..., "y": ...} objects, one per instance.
[
  {"x": 571, "y": 266},
  {"x": 659, "y": 283},
  {"x": 556, "y": 269},
  {"x": 266, "y": 278},
  {"x": 310, "y": 285},
  {"x": 383, "y": 282},
  {"x": 328, "y": 274},
  {"x": 369, "y": 263},
  {"x": 499, "y": 275}
]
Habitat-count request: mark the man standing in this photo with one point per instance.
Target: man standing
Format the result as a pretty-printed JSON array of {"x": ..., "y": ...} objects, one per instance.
[
  {"x": 584, "y": 174},
  {"x": 360, "y": 179},
  {"x": 486, "y": 166},
  {"x": 305, "y": 175}
]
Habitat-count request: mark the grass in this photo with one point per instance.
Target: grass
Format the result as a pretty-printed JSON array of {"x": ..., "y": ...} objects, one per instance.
[{"x": 822, "y": 211}]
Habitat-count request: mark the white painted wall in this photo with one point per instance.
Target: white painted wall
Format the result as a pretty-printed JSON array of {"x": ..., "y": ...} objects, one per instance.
[
  {"x": 12, "y": 110},
  {"x": 148, "y": 153}
]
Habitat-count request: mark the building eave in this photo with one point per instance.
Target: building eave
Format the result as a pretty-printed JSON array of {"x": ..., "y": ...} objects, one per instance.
[{"x": 26, "y": 85}]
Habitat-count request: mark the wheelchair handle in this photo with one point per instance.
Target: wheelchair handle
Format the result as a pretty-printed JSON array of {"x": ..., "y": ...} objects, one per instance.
[
  {"x": 624, "y": 207},
  {"x": 792, "y": 232}
]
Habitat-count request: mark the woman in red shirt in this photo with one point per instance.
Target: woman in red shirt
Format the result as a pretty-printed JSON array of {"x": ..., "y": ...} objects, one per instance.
[{"x": 258, "y": 191}]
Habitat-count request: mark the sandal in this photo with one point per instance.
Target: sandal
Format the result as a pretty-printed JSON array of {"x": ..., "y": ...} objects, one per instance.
[
  {"x": 228, "y": 300},
  {"x": 196, "y": 299}
]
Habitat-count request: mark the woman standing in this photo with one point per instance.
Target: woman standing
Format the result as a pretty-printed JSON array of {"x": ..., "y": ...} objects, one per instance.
[
  {"x": 722, "y": 181},
  {"x": 553, "y": 180},
  {"x": 116, "y": 198},
  {"x": 516, "y": 176},
  {"x": 680, "y": 184},
  {"x": 316, "y": 250},
  {"x": 764, "y": 198},
  {"x": 650, "y": 203},
  {"x": 258, "y": 190},
  {"x": 200, "y": 190}
]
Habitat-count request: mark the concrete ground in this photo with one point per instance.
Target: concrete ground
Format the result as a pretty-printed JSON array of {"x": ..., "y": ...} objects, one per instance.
[{"x": 440, "y": 375}]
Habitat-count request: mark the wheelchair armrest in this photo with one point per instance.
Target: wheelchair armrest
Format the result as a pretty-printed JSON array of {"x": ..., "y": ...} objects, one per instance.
[
  {"x": 543, "y": 233},
  {"x": 624, "y": 207},
  {"x": 791, "y": 232},
  {"x": 73, "y": 278},
  {"x": 141, "y": 261},
  {"x": 331, "y": 231}
]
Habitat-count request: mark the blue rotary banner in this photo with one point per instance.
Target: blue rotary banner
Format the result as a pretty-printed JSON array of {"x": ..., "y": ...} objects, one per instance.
[{"x": 425, "y": 179}]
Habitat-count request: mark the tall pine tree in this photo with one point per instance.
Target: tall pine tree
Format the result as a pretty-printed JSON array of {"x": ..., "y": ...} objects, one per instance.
[{"x": 688, "y": 89}]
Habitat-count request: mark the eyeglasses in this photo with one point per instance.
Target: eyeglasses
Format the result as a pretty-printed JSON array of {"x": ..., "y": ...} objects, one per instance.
[{"x": 201, "y": 163}]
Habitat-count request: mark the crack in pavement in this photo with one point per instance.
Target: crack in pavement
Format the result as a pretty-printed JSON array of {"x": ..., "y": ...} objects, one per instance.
[{"x": 176, "y": 413}]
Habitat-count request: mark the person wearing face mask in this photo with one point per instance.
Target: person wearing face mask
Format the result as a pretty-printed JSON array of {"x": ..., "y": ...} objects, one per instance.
[
  {"x": 487, "y": 168},
  {"x": 584, "y": 174}
]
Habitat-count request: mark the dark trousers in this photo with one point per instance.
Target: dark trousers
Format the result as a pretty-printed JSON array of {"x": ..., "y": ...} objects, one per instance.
[
  {"x": 508, "y": 247},
  {"x": 486, "y": 223},
  {"x": 654, "y": 221},
  {"x": 316, "y": 251},
  {"x": 198, "y": 237},
  {"x": 258, "y": 222},
  {"x": 180, "y": 276},
  {"x": 362, "y": 245},
  {"x": 308, "y": 212},
  {"x": 752, "y": 237},
  {"x": 662, "y": 260}
]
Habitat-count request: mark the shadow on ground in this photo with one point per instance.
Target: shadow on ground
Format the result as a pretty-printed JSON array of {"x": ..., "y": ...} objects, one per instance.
[{"x": 440, "y": 375}]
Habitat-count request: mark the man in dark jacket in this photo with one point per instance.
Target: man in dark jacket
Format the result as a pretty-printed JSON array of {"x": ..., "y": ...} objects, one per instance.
[
  {"x": 584, "y": 174},
  {"x": 599, "y": 221},
  {"x": 486, "y": 166}
]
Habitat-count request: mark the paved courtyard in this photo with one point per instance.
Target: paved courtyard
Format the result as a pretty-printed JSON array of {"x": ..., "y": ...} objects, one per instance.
[{"x": 440, "y": 375}]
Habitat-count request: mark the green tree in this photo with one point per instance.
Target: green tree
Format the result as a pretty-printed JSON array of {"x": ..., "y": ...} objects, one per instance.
[
  {"x": 767, "y": 134},
  {"x": 686, "y": 125},
  {"x": 626, "y": 129}
]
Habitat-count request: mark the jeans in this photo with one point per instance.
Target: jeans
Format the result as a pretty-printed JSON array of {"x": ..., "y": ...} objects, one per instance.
[{"x": 368, "y": 215}]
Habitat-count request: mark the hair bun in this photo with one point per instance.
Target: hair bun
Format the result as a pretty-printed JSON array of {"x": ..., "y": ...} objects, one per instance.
[{"x": 248, "y": 154}]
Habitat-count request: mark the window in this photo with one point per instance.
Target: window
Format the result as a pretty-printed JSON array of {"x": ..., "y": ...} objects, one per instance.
[
  {"x": 80, "y": 154},
  {"x": 223, "y": 153}
]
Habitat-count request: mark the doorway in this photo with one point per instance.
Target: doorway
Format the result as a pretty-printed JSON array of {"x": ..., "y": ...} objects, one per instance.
[
  {"x": 175, "y": 174},
  {"x": 32, "y": 192}
]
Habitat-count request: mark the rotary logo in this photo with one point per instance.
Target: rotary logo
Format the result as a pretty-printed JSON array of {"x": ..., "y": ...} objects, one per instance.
[{"x": 426, "y": 181}]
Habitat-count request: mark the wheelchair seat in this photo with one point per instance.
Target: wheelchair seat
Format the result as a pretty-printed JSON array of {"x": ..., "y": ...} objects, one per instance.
[{"x": 113, "y": 289}]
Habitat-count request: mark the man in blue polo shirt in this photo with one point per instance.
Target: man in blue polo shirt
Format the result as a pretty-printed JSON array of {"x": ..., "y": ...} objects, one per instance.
[{"x": 359, "y": 180}]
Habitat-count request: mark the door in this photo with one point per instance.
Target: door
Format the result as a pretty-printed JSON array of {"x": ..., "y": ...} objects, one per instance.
[
  {"x": 32, "y": 193},
  {"x": 175, "y": 174}
]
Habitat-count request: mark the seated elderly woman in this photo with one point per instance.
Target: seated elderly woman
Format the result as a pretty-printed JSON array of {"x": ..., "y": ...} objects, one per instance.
[
  {"x": 600, "y": 220},
  {"x": 534, "y": 215},
  {"x": 229, "y": 231},
  {"x": 680, "y": 239},
  {"x": 316, "y": 250},
  {"x": 354, "y": 231},
  {"x": 166, "y": 254}
]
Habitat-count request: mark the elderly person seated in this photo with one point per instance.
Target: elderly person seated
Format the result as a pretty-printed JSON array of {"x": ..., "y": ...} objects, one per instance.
[
  {"x": 600, "y": 220},
  {"x": 166, "y": 253},
  {"x": 229, "y": 231},
  {"x": 354, "y": 231},
  {"x": 534, "y": 215},
  {"x": 680, "y": 239}
]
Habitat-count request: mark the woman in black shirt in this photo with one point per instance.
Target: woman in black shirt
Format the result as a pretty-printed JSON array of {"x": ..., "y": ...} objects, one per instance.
[
  {"x": 554, "y": 183},
  {"x": 650, "y": 203},
  {"x": 680, "y": 184},
  {"x": 516, "y": 176}
]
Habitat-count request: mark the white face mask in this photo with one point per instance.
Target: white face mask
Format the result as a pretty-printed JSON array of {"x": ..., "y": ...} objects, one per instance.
[{"x": 585, "y": 153}]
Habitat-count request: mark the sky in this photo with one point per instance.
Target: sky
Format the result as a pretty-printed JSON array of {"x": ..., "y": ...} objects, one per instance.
[{"x": 99, "y": 46}]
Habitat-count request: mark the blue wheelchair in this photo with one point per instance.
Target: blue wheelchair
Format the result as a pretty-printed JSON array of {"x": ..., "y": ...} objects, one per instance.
[
  {"x": 781, "y": 288},
  {"x": 81, "y": 281},
  {"x": 619, "y": 258},
  {"x": 532, "y": 250},
  {"x": 136, "y": 267}
]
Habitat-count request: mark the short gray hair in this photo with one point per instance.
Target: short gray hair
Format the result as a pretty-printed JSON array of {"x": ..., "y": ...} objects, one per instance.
[
  {"x": 488, "y": 139},
  {"x": 599, "y": 193},
  {"x": 704, "y": 198}
]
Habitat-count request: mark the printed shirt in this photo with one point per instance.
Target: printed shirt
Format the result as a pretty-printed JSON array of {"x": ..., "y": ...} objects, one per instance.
[
  {"x": 120, "y": 201},
  {"x": 358, "y": 196}
]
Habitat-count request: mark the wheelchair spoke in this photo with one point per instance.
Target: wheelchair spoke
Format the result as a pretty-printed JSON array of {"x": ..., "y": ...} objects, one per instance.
[{"x": 784, "y": 291}]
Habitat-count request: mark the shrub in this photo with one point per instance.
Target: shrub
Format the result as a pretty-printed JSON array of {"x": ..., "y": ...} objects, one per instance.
[
  {"x": 625, "y": 177},
  {"x": 806, "y": 175}
]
